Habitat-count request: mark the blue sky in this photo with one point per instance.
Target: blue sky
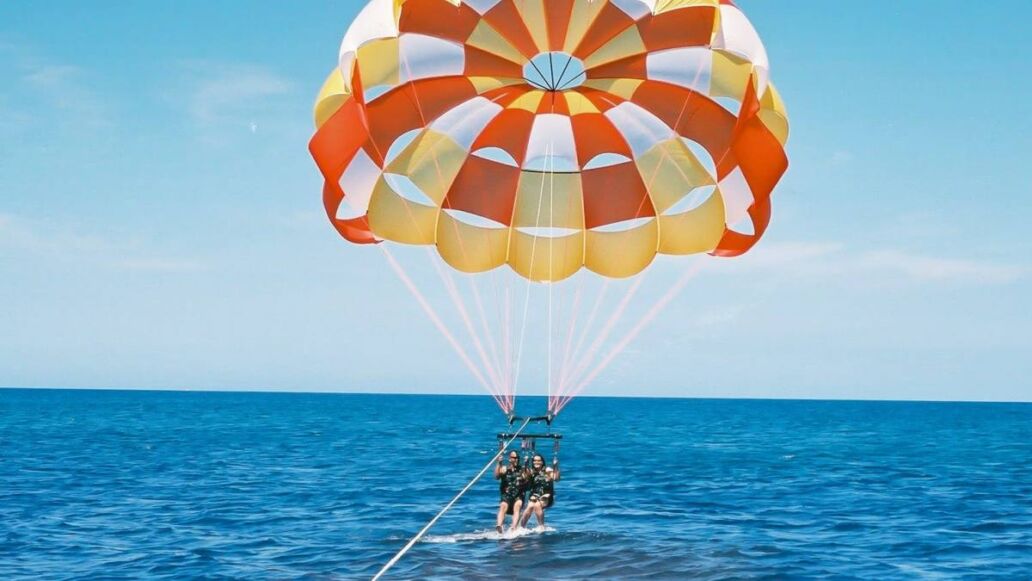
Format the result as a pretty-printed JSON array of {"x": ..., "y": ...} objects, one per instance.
[{"x": 161, "y": 222}]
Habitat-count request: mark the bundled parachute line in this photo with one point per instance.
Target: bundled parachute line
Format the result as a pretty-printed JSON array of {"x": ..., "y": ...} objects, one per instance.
[
  {"x": 436, "y": 319},
  {"x": 546, "y": 153}
]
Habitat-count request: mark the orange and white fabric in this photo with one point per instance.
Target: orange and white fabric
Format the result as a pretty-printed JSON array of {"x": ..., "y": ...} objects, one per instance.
[{"x": 552, "y": 135}]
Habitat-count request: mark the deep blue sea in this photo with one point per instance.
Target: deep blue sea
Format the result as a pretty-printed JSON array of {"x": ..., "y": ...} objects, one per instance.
[{"x": 174, "y": 485}]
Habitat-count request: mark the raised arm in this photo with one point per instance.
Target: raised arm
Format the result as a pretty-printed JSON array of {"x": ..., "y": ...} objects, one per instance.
[{"x": 498, "y": 471}]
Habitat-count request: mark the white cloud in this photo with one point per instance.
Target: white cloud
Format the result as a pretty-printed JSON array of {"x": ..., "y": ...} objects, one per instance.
[
  {"x": 49, "y": 91},
  {"x": 39, "y": 237},
  {"x": 221, "y": 94},
  {"x": 160, "y": 265},
  {"x": 842, "y": 157},
  {"x": 791, "y": 253},
  {"x": 939, "y": 269},
  {"x": 831, "y": 259},
  {"x": 60, "y": 243},
  {"x": 52, "y": 76},
  {"x": 303, "y": 219},
  {"x": 718, "y": 316}
]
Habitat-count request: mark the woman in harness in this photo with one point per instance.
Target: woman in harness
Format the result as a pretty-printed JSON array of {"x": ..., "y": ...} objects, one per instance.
[
  {"x": 511, "y": 486},
  {"x": 540, "y": 482}
]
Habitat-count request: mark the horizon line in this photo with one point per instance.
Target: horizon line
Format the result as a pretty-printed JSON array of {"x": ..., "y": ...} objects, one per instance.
[{"x": 475, "y": 394}]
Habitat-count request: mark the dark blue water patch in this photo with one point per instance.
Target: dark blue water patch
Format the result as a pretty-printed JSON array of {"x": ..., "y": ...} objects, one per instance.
[{"x": 128, "y": 485}]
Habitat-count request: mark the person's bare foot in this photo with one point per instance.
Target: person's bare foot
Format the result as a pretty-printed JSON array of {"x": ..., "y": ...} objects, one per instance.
[{"x": 499, "y": 529}]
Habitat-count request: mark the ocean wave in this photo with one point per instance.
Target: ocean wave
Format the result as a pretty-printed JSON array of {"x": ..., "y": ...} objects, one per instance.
[{"x": 487, "y": 535}]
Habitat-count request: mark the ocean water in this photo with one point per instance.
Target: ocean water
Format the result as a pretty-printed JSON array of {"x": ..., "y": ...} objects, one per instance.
[{"x": 165, "y": 485}]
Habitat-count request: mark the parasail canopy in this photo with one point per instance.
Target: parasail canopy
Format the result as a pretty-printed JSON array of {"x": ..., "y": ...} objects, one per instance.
[
  {"x": 551, "y": 135},
  {"x": 555, "y": 137}
]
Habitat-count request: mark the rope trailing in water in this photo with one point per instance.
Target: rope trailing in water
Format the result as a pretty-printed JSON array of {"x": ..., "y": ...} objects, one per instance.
[{"x": 448, "y": 506}]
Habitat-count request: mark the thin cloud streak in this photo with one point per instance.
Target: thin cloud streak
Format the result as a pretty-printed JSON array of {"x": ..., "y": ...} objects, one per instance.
[
  {"x": 797, "y": 259},
  {"x": 940, "y": 269},
  {"x": 38, "y": 239},
  {"x": 231, "y": 94},
  {"x": 161, "y": 265},
  {"x": 64, "y": 92}
]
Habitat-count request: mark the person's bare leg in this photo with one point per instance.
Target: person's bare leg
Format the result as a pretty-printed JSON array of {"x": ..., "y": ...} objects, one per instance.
[
  {"x": 502, "y": 509},
  {"x": 516, "y": 514},
  {"x": 526, "y": 514},
  {"x": 539, "y": 512}
]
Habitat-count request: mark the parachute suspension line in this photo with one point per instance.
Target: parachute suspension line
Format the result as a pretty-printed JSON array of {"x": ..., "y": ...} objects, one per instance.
[
  {"x": 642, "y": 323},
  {"x": 571, "y": 324},
  {"x": 618, "y": 314},
  {"x": 450, "y": 504},
  {"x": 657, "y": 307},
  {"x": 611, "y": 322},
  {"x": 529, "y": 283},
  {"x": 551, "y": 256},
  {"x": 651, "y": 314},
  {"x": 575, "y": 355},
  {"x": 491, "y": 343},
  {"x": 506, "y": 316},
  {"x": 573, "y": 383},
  {"x": 523, "y": 328},
  {"x": 453, "y": 292},
  {"x": 436, "y": 319},
  {"x": 500, "y": 387},
  {"x": 575, "y": 337},
  {"x": 491, "y": 387}
]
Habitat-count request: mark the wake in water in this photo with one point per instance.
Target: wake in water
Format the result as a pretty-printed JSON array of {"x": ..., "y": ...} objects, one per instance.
[{"x": 487, "y": 535}]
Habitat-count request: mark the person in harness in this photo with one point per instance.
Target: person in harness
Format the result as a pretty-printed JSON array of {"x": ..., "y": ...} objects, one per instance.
[
  {"x": 511, "y": 487},
  {"x": 541, "y": 485}
]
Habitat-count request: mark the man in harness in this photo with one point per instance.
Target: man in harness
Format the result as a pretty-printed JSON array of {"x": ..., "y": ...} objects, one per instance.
[{"x": 511, "y": 486}]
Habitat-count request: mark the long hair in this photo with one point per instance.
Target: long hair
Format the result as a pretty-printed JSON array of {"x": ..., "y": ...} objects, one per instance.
[{"x": 530, "y": 465}]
